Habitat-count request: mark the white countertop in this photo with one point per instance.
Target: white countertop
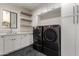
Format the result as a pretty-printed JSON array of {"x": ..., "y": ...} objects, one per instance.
[{"x": 19, "y": 33}]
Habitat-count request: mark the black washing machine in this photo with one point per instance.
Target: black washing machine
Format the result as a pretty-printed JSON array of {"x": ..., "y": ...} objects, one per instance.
[
  {"x": 52, "y": 40},
  {"x": 37, "y": 38}
]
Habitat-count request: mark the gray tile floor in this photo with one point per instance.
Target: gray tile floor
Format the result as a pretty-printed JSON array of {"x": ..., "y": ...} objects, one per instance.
[{"x": 26, "y": 52}]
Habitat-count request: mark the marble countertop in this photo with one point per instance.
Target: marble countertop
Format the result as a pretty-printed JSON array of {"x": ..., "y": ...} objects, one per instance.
[{"x": 19, "y": 33}]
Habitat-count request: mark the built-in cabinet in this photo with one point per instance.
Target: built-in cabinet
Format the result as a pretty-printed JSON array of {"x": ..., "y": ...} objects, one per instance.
[
  {"x": 70, "y": 29},
  {"x": 17, "y": 40},
  {"x": 26, "y": 40},
  {"x": 11, "y": 43},
  {"x": 68, "y": 37},
  {"x": 1, "y": 45},
  {"x": 77, "y": 26}
]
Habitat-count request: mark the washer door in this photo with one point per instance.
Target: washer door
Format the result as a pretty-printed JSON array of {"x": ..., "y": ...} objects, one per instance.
[{"x": 50, "y": 35}]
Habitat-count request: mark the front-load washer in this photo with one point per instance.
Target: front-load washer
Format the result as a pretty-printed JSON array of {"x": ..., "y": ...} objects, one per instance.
[{"x": 52, "y": 40}]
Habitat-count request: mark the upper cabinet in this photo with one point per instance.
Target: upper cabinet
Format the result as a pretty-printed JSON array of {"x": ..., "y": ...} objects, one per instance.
[
  {"x": 68, "y": 9},
  {"x": 77, "y": 8}
]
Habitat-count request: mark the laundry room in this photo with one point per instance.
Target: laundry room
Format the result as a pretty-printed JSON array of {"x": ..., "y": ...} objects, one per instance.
[{"x": 39, "y": 29}]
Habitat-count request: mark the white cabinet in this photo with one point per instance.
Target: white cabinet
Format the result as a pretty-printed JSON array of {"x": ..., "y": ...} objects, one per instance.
[
  {"x": 1, "y": 45},
  {"x": 77, "y": 8},
  {"x": 77, "y": 41},
  {"x": 77, "y": 34},
  {"x": 26, "y": 40},
  {"x": 31, "y": 38},
  {"x": 67, "y": 9},
  {"x": 70, "y": 29},
  {"x": 9, "y": 44},
  {"x": 17, "y": 42},
  {"x": 68, "y": 37}
]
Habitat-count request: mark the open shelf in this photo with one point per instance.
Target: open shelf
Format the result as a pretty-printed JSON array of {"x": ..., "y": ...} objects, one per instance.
[
  {"x": 26, "y": 20},
  {"x": 26, "y": 29},
  {"x": 26, "y": 26},
  {"x": 27, "y": 14}
]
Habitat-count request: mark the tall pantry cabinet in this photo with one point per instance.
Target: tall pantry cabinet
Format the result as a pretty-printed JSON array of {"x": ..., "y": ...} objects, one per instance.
[
  {"x": 77, "y": 41},
  {"x": 70, "y": 29}
]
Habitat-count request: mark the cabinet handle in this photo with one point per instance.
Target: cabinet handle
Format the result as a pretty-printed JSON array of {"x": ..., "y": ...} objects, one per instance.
[
  {"x": 12, "y": 39},
  {"x": 77, "y": 14},
  {"x": 73, "y": 15},
  {"x": 2, "y": 36}
]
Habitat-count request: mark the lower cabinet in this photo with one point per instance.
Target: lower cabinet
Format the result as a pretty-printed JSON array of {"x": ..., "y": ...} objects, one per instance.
[
  {"x": 30, "y": 38},
  {"x": 26, "y": 40},
  {"x": 11, "y": 43},
  {"x": 17, "y": 42},
  {"x": 1, "y": 45}
]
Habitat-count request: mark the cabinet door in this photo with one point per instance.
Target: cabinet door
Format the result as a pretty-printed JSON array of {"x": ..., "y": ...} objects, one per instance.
[
  {"x": 77, "y": 41},
  {"x": 9, "y": 44},
  {"x": 31, "y": 38},
  {"x": 24, "y": 41},
  {"x": 17, "y": 42},
  {"x": 77, "y": 5},
  {"x": 1, "y": 46},
  {"x": 67, "y": 9},
  {"x": 68, "y": 37}
]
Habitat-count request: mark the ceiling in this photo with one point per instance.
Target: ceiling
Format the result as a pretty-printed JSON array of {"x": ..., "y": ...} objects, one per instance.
[{"x": 30, "y": 6}]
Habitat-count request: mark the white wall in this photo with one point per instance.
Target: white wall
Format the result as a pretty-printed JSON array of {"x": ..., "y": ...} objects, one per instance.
[{"x": 42, "y": 10}]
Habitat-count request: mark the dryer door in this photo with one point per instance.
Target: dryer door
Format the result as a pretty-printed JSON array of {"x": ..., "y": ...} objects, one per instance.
[{"x": 50, "y": 35}]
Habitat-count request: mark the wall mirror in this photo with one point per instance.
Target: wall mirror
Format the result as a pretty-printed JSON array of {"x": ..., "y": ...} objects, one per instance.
[
  {"x": 9, "y": 19},
  {"x": 6, "y": 19},
  {"x": 13, "y": 17}
]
